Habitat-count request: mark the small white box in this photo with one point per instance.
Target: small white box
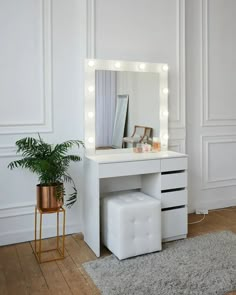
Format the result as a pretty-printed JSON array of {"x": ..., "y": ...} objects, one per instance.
[{"x": 131, "y": 223}]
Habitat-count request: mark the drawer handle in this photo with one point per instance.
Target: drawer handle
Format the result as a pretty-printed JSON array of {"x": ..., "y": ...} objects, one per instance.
[
  {"x": 172, "y": 190},
  {"x": 172, "y": 172},
  {"x": 173, "y": 208}
]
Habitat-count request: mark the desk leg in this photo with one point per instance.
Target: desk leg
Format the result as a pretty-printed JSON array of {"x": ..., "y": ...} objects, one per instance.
[{"x": 91, "y": 204}]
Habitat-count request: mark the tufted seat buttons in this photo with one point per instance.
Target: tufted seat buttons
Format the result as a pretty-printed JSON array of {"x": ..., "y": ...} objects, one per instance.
[{"x": 136, "y": 223}]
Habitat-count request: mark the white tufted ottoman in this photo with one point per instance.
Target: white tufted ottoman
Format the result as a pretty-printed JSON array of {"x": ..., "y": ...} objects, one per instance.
[{"x": 131, "y": 223}]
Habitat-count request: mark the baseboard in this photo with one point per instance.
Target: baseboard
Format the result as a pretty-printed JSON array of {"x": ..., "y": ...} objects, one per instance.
[
  {"x": 17, "y": 224},
  {"x": 25, "y": 235},
  {"x": 213, "y": 204}
]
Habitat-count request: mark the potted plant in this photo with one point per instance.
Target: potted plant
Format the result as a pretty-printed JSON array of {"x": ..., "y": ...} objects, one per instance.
[{"x": 50, "y": 163}]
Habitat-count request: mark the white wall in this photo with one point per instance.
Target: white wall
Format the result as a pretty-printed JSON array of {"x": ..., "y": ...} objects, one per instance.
[
  {"x": 43, "y": 80},
  {"x": 211, "y": 103},
  {"x": 41, "y": 90},
  {"x": 152, "y": 31},
  {"x": 43, "y": 86}
]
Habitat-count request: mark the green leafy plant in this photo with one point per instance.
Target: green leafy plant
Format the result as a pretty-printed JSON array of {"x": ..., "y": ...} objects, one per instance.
[{"x": 49, "y": 162}]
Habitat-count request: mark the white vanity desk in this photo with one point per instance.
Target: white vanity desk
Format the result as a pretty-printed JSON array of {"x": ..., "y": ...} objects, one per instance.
[{"x": 162, "y": 175}]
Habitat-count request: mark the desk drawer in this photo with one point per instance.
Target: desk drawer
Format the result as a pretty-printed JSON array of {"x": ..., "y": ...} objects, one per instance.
[
  {"x": 174, "y": 222},
  {"x": 174, "y": 164},
  {"x": 174, "y": 199},
  {"x": 173, "y": 180},
  {"x": 129, "y": 168}
]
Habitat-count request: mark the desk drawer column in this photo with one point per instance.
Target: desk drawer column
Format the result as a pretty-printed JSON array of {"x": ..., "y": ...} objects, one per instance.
[{"x": 174, "y": 198}]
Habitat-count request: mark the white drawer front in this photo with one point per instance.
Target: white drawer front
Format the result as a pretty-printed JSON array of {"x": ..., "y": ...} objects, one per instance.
[
  {"x": 174, "y": 223},
  {"x": 129, "y": 168},
  {"x": 174, "y": 164},
  {"x": 174, "y": 180},
  {"x": 173, "y": 199}
]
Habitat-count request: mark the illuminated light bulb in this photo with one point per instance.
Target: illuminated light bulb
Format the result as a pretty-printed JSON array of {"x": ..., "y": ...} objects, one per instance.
[
  {"x": 165, "y": 90},
  {"x": 90, "y": 140},
  {"x": 142, "y": 66},
  {"x": 91, "y": 63},
  {"x": 165, "y": 136},
  {"x": 90, "y": 88},
  {"x": 117, "y": 65},
  {"x": 90, "y": 114},
  {"x": 165, "y": 68},
  {"x": 165, "y": 113}
]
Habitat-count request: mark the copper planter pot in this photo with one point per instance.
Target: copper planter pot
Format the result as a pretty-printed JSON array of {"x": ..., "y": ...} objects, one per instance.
[{"x": 47, "y": 197}]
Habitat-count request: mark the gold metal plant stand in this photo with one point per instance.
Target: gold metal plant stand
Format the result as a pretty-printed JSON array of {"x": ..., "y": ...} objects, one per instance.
[{"x": 60, "y": 249}]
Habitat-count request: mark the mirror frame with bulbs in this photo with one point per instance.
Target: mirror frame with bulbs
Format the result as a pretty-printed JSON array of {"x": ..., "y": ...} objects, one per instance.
[{"x": 91, "y": 65}]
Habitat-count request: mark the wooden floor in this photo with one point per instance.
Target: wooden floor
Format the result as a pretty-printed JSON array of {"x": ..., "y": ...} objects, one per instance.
[{"x": 21, "y": 274}]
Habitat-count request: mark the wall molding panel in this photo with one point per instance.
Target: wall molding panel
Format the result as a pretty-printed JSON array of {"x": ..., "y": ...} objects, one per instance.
[
  {"x": 180, "y": 60},
  {"x": 177, "y": 145},
  {"x": 45, "y": 122},
  {"x": 209, "y": 182},
  {"x": 60, "y": 32},
  {"x": 91, "y": 31},
  {"x": 208, "y": 119}
]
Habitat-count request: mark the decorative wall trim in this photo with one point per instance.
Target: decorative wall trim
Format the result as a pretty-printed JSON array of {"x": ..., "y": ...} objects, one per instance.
[
  {"x": 14, "y": 210},
  {"x": 177, "y": 137},
  {"x": 177, "y": 145},
  {"x": 208, "y": 119},
  {"x": 180, "y": 58},
  {"x": 207, "y": 182},
  {"x": 7, "y": 151},
  {"x": 91, "y": 34},
  {"x": 45, "y": 124}
]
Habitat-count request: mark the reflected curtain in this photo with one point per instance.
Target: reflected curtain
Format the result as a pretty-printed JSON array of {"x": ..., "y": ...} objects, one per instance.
[{"x": 105, "y": 106}]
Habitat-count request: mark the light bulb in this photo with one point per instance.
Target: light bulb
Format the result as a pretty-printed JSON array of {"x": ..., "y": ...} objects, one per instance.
[
  {"x": 91, "y": 88},
  {"x": 117, "y": 64},
  {"x": 165, "y": 114},
  {"x": 90, "y": 140},
  {"x": 165, "y": 136},
  {"x": 142, "y": 66},
  {"x": 91, "y": 63},
  {"x": 165, "y": 90},
  {"x": 165, "y": 68},
  {"x": 90, "y": 114}
]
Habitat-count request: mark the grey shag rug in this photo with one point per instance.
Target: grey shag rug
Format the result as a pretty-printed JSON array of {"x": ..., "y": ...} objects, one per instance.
[{"x": 203, "y": 265}]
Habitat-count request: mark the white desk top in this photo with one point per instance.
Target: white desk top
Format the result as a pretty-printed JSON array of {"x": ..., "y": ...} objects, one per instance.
[{"x": 131, "y": 156}]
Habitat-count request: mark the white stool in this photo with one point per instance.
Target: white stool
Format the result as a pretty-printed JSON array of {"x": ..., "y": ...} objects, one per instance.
[{"x": 131, "y": 223}]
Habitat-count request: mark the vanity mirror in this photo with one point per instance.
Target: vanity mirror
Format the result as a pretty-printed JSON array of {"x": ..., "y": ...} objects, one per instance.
[{"x": 124, "y": 100}]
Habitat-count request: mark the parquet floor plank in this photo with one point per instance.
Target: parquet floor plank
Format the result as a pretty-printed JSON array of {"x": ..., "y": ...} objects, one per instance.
[
  {"x": 33, "y": 276},
  {"x": 12, "y": 275}
]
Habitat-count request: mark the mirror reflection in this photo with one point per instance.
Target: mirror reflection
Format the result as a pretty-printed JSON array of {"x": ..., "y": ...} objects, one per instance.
[{"x": 127, "y": 108}]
